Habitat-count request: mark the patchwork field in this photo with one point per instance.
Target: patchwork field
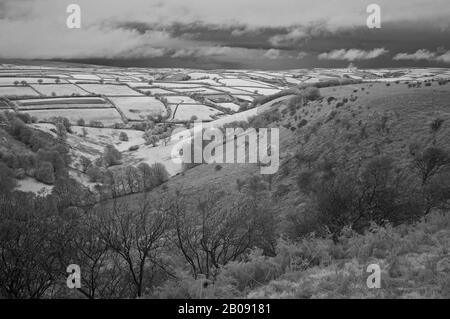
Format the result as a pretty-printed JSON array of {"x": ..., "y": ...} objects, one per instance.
[
  {"x": 184, "y": 112},
  {"x": 107, "y": 116},
  {"x": 29, "y": 80},
  {"x": 59, "y": 89},
  {"x": 154, "y": 91},
  {"x": 173, "y": 85},
  {"x": 109, "y": 89},
  {"x": 180, "y": 99},
  {"x": 231, "y": 106},
  {"x": 13, "y": 91},
  {"x": 241, "y": 82},
  {"x": 201, "y": 90},
  {"x": 258, "y": 90},
  {"x": 138, "y": 108}
]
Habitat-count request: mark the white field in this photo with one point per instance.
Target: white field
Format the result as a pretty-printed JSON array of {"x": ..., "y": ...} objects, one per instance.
[
  {"x": 230, "y": 90},
  {"x": 201, "y": 90},
  {"x": 109, "y": 89},
  {"x": 231, "y": 106},
  {"x": 173, "y": 85},
  {"x": 180, "y": 99},
  {"x": 104, "y": 136},
  {"x": 293, "y": 80},
  {"x": 29, "y": 184},
  {"x": 11, "y": 80},
  {"x": 138, "y": 108},
  {"x": 185, "y": 112},
  {"x": 199, "y": 75},
  {"x": 135, "y": 84},
  {"x": 64, "y": 100},
  {"x": 242, "y": 82},
  {"x": 10, "y": 91},
  {"x": 59, "y": 89},
  {"x": 263, "y": 91},
  {"x": 80, "y": 76},
  {"x": 107, "y": 116},
  {"x": 204, "y": 81},
  {"x": 154, "y": 91},
  {"x": 245, "y": 97}
]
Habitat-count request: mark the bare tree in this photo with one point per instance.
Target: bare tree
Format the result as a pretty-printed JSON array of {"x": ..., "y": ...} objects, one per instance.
[
  {"x": 210, "y": 234},
  {"x": 137, "y": 234}
]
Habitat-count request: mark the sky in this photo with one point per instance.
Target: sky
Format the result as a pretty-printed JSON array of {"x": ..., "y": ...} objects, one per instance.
[{"x": 231, "y": 34}]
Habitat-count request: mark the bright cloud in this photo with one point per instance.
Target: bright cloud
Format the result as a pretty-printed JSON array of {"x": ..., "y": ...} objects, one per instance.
[
  {"x": 424, "y": 54},
  {"x": 272, "y": 54},
  {"x": 352, "y": 54}
]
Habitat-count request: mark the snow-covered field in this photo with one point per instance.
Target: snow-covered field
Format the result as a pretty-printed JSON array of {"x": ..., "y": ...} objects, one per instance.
[
  {"x": 107, "y": 116},
  {"x": 154, "y": 91},
  {"x": 10, "y": 91},
  {"x": 242, "y": 82},
  {"x": 173, "y": 85},
  {"x": 109, "y": 89},
  {"x": 231, "y": 106},
  {"x": 138, "y": 108},
  {"x": 59, "y": 89},
  {"x": 248, "y": 98},
  {"x": 180, "y": 99},
  {"x": 85, "y": 76},
  {"x": 258, "y": 90},
  {"x": 30, "y": 80},
  {"x": 230, "y": 90},
  {"x": 200, "y": 90},
  {"x": 31, "y": 185},
  {"x": 184, "y": 112},
  {"x": 65, "y": 100},
  {"x": 200, "y": 75}
]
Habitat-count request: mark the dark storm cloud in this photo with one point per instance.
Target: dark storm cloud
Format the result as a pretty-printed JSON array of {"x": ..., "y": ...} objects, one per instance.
[{"x": 281, "y": 34}]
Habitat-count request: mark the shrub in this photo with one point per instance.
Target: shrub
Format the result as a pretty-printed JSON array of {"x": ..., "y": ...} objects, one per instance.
[
  {"x": 25, "y": 117},
  {"x": 150, "y": 139},
  {"x": 94, "y": 173},
  {"x": 302, "y": 123},
  {"x": 7, "y": 181},
  {"x": 123, "y": 137},
  {"x": 85, "y": 163},
  {"x": 45, "y": 173},
  {"x": 252, "y": 273},
  {"x": 295, "y": 102},
  {"x": 312, "y": 94},
  {"x": 159, "y": 174},
  {"x": 111, "y": 156},
  {"x": 97, "y": 124},
  {"x": 81, "y": 122}
]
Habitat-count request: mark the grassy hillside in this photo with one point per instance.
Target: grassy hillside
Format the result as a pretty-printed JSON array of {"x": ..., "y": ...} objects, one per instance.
[
  {"x": 414, "y": 262},
  {"x": 361, "y": 125}
]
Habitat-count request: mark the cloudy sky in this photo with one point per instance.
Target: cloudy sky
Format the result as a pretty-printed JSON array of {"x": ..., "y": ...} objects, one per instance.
[{"x": 265, "y": 34}]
